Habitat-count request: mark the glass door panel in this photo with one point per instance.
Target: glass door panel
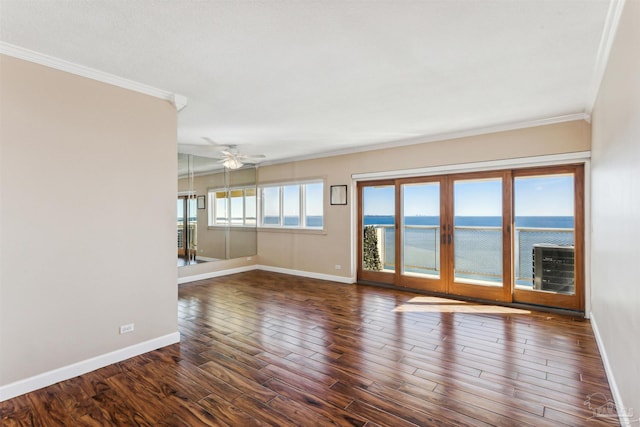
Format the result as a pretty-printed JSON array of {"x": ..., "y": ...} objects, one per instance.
[
  {"x": 548, "y": 242},
  {"x": 181, "y": 227},
  {"x": 378, "y": 233},
  {"x": 192, "y": 228},
  {"x": 477, "y": 234},
  {"x": 421, "y": 230},
  {"x": 544, "y": 233}
]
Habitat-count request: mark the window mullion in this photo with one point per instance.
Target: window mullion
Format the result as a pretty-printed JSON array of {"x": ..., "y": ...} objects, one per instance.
[
  {"x": 281, "y": 201},
  {"x": 303, "y": 198},
  {"x": 261, "y": 206}
]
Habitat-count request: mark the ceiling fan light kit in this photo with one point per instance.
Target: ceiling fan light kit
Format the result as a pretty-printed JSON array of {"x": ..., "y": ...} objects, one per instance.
[{"x": 232, "y": 163}]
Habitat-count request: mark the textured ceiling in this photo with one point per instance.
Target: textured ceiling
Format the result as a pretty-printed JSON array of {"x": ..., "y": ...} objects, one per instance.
[{"x": 293, "y": 79}]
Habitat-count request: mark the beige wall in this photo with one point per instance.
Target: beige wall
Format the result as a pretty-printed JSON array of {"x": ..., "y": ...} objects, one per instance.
[
  {"x": 321, "y": 252},
  {"x": 88, "y": 219},
  {"x": 616, "y": 209}
]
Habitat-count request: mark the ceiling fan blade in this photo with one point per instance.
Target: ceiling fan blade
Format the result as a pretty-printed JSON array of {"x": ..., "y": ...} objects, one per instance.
[
  {"x": 252, "y": 156},
  {"x": 202, "y": 146},
  {"x": 202, "y": 150},
  {"x": 212, "y": 143}
]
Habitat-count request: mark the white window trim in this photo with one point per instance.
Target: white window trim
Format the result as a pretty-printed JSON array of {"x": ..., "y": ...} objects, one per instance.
[
  {"x": 302, "y": 206},
  {"x": 211, "y": 207}
]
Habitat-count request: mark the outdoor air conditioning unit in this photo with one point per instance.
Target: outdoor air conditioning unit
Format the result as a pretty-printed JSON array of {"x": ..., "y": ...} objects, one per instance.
[{"x": 553, "y": 268}]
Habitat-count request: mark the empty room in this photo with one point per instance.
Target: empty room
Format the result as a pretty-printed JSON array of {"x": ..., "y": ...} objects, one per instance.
[{"x": 370, "y": 213}]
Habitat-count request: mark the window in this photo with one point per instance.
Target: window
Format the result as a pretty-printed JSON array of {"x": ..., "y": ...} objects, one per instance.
[
  {"x": 293, "y": 205},
  {"x": 271, "y": 206},
  {"x": 220, "y": 208},
  {"x": 236, "y": 201},
  {"x": 250, "y": 207},
  {"x": 236, "y": 206}
]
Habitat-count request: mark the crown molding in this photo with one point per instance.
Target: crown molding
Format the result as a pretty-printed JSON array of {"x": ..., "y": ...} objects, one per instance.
[
  {"x": 441, "y": 137},
  {"x": 602, "y": 58},
  {"x": 8, "y": 49}
]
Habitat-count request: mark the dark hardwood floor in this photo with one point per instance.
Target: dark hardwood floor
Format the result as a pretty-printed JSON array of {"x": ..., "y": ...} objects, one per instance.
[{"x": 261, "y": 348}]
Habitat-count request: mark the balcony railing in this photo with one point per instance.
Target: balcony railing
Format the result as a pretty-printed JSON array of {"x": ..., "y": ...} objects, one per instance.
[{"x": 478, "y": 250}]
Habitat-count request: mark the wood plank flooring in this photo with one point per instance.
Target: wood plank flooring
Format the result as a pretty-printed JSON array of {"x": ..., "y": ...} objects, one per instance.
[{"x": 262, "y": 348}]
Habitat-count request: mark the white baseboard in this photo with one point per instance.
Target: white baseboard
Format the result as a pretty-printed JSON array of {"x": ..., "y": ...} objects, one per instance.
[
  {"x": 45, "y": 379},
  {"x": 211, "y": 274},
  {"x": 204, "y": 258},
  {"x": 309, "y": 274},
  {"x": 625, "y": 421}
]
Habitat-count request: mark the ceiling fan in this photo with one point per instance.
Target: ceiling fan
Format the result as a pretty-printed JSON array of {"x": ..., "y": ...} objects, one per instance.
[
  {"x": 228, "y": 155},
  {"x": 231, "y": 158}
]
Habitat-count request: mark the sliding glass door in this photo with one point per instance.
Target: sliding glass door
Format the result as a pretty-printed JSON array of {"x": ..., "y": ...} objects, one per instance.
[{"x": 509, "y": 236}]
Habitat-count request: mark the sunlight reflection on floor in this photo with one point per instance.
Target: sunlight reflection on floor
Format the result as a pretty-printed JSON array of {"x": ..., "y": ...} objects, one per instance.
[{"x": 428, "y": 304}]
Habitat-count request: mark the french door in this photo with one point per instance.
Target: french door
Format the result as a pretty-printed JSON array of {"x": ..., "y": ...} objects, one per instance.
[
  {"x": 479, "y": 226},
  {"x": 509, "y": 236},
  {"x": 187, "y": 226},
  {"x": 378, "y": 226}
]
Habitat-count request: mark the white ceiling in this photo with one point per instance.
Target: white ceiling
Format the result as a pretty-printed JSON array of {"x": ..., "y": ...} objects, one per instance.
[{"x": 293, "y": 79}]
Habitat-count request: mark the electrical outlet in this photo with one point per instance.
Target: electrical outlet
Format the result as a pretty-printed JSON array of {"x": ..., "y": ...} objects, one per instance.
[
  {"x": 338, "y": 267},
  {"x": 125, "y": 329}
]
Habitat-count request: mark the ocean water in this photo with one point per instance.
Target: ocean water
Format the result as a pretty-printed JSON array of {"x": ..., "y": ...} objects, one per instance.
[
  {"x": 478, "y": 221},
  {"x": 294, "y": 221}
]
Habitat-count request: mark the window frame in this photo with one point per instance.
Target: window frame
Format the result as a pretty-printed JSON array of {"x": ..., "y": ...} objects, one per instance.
[
  {"x": 212, "y": 208},
  {"x": 302, "y": 205}
]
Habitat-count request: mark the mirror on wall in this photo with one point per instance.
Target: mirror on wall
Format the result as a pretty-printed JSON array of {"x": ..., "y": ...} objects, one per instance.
[{"x": 216, "y": 211}]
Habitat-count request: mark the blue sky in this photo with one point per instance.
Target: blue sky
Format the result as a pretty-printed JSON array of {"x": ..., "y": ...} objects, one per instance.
[
  {"x": 291, "y": 200},
  {"x": 544, "y": 196},
  {"x": 478, "y": 198},
  {"x": 534, "y": 196},
  {"x": 422, "y": 199},
  {"x": 314, "y": 199}
]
